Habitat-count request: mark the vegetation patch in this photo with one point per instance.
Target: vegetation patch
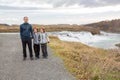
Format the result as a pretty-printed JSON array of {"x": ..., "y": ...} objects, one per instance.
[
  {"x": 87, "y": 63},
  {"x": 51, "y": 28}
]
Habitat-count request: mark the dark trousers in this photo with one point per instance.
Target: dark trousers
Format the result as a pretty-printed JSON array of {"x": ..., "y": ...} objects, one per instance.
[
  {"x": 44, "y": 50},
  {"x": 37, "y": 50},
  {"x": 29, "y": 43}
]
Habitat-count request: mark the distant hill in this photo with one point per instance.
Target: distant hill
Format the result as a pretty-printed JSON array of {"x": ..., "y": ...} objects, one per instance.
[
  {"x": 4, "y": 25},
  {"x": 50, "y": 28},
  {"x": 108, "y": 26}
]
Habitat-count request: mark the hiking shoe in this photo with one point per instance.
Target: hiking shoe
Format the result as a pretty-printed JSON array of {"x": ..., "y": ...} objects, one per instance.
[
  {"x": 31, "y": 58},
  {"x": 24, "y": 58},
  {"x": 45, "y": 57}
]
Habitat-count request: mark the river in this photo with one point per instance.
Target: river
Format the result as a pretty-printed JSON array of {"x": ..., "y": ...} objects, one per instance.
[{"x": 105, "y": 40}]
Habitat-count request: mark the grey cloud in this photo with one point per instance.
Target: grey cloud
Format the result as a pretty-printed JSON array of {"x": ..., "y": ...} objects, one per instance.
[
  {"x": 17, "y": 8},
  {"x": 59, "y": 3},
  {"x": 85, "y": 3}
]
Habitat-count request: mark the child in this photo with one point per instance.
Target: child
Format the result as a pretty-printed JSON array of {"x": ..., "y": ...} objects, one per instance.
[
  {"x": 36, "y": 42},
  {"x": 43, "y": 41}
]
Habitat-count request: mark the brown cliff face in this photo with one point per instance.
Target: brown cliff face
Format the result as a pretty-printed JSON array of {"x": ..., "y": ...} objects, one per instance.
[{"x": 108, "y": 26}]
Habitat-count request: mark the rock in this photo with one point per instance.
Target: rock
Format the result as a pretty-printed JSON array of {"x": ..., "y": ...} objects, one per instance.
[{"x": 118, "y": 45}]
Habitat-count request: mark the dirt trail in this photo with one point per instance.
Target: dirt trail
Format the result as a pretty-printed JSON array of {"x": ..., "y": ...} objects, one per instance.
[{"x": 12, "y": 67}]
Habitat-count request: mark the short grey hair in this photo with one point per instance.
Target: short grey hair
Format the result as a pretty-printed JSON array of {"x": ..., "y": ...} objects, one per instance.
[{"x": 25, "y": 17}]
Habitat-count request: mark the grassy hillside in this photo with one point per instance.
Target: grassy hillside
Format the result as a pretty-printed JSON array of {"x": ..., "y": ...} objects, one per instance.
[
  {"x": 94, "y": 28},
  {"x": 7, "y": 28},
  {"x": 50, "y": 28},
  {"x": 109, "y": 26},
  {"x": 87, "y": 63}
]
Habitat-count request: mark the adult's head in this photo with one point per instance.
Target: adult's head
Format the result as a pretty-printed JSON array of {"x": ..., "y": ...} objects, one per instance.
[{"x": 25, "y": 19}]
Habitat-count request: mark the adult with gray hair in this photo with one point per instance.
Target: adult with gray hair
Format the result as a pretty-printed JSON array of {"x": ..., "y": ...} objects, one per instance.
[{"x": 26, "y": 34}]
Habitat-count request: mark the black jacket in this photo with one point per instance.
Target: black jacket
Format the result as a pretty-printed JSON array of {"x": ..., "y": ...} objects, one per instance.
[{"x": 26, "y": 31}]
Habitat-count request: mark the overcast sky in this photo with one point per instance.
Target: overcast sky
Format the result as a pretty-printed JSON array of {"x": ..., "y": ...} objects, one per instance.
[{"x": 58, "y": 11}]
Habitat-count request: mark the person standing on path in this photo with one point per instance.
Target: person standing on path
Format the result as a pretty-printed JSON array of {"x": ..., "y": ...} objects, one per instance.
[
  {"x": 43, "y": 42},
  {"x": 26, "y": 34},
  {"x": 36, "y": 42}
]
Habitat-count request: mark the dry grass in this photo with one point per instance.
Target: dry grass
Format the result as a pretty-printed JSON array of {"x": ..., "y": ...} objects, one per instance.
[
  {"x": 51, "y": 28},
  {"x": 9, "y": 29},
  {"x": 87, "y": 63}
]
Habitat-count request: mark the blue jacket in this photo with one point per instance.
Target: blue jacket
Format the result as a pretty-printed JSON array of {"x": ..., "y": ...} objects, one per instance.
[{"x": 26, "y": 31}]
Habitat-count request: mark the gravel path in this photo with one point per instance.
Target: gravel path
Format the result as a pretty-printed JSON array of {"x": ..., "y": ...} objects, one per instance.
[{"x": 12, "y": 67}]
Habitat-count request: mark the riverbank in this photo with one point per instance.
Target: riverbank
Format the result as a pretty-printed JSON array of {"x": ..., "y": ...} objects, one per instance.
[{"x": 87, "y": 63}]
